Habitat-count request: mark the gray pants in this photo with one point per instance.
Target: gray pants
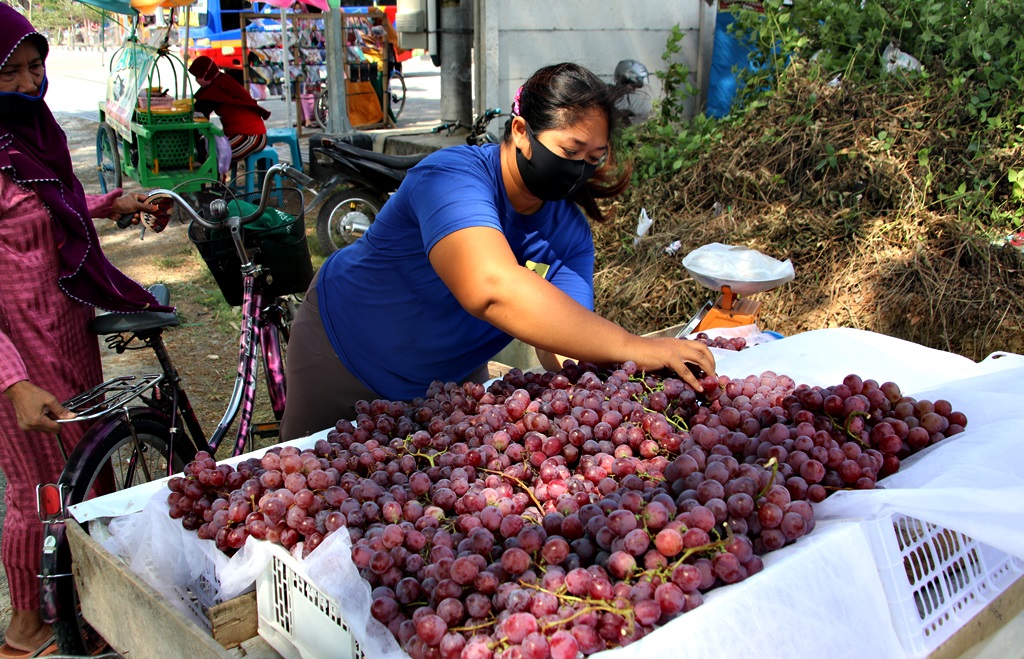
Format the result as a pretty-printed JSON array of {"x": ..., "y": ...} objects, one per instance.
[{"x": 321, "y": 391}]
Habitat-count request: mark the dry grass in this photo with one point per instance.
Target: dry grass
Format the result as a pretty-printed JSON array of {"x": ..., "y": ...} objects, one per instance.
[{"x": 871, "y": 247}]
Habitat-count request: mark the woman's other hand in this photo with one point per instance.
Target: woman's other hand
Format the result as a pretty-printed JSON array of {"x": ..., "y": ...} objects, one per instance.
[
  {"x": 36, "y": 408},
  {"x": 655, "y": 353},
  {"x": 134, "y": 204}
]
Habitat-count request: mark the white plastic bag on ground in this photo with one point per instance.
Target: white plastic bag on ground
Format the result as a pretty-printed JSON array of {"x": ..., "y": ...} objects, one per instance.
[{"x": 894, "y": 59}]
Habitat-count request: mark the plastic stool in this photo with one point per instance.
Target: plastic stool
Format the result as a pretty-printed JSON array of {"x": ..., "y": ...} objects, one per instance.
[
  {"x": 286, "y": 136},
  {"x": 256, "y": 166}
]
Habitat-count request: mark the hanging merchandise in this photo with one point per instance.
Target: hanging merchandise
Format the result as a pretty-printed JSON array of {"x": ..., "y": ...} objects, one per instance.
[{"x": 285, "y": 52}]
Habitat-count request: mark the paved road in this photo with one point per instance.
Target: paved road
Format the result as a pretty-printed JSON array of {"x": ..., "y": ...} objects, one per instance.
[{"x": 78, "y": 84}]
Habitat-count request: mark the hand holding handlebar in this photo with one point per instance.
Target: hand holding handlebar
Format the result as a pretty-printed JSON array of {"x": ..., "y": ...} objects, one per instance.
[{"x": 283, "y": 169}]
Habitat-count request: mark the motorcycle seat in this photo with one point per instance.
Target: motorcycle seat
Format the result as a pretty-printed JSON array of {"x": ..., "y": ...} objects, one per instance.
[{"x": 387, "y": 160}]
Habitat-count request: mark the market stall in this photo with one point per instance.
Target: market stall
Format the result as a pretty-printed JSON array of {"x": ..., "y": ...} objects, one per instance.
[
  {"x": 897, "y": 571},
  {"x": 295, "y": 45},
  {"x": 147, "y": 129}
]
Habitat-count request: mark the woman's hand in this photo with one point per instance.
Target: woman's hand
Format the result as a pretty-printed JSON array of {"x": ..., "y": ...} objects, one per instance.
[
  {"x": 653, "y": 354},
  {"x": 36, "y": 408},
  {"x": 134, "y": 204}
]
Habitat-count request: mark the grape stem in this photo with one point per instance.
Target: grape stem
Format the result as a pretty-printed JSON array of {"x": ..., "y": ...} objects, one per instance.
[
  {"x": 517, "y": 482},
  {"x": 666, "y": 572},
  {"x": 642, "y": 379},
  {"x": 588, "y": 606},
  {"x": 774, "y": 465},
  {"x": 678, "y": 422},
  {"x": 849, "y": 433},
  {"x": 429, "y": 457},
  {"x": 486, "y": 624},
  {"x": 652, "y": 477}
]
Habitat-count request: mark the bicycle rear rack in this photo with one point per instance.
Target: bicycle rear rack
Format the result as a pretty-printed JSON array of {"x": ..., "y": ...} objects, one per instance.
[{"x": 108, "y": 396}]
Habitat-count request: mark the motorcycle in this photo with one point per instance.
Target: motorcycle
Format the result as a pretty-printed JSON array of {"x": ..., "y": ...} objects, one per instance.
[{"x": 359, "y": 180}]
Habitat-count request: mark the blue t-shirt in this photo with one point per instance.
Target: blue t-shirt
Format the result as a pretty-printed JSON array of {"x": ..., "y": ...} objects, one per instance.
[{"x": 392, "y": 321}]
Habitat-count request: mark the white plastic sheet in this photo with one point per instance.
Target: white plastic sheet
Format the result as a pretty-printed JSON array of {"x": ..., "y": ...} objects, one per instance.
[{"x": 821, "y": 596}]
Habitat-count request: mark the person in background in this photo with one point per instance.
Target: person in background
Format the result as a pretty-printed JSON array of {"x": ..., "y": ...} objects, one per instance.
[
  {"x": 385, "y": 32},
  {"x": 242, "y": 118},
  {"x": 478, "y": 246},
  {"x": 53, "y": 276}
]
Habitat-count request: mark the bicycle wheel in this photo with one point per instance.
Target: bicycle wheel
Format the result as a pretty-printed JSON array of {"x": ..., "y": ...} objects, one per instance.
[
  {"x": 118, "y": 456},
  {"x": 274, "y": 333},
  {"x": 396, "y": 93},
  {"x": 108, "y": 160},
  {"x": 321, "y": 108}
]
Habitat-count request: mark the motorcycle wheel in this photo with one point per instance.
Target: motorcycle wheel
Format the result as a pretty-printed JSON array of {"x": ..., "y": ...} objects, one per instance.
[{"x": 344, "y": 217}]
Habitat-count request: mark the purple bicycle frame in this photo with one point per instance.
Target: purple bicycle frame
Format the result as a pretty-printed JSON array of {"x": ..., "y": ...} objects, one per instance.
[{"x": 256, "y": 332}]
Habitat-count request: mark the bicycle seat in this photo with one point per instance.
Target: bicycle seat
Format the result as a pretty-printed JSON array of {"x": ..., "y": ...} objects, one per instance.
[{"x": 115, "y": 323}]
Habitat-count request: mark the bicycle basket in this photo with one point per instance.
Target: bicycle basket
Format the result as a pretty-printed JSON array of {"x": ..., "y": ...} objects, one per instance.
[{"x": 277, "y": 240}]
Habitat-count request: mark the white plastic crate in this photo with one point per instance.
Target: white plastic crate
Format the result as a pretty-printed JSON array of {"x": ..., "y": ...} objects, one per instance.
[
  {"x": 935, "y": 579},
  {"x": 296, "y": 617},
  {"x": 201, "y": 594}
]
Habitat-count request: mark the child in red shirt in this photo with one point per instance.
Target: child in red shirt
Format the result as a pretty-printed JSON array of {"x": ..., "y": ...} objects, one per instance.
[{"x": 241, "y": 117}]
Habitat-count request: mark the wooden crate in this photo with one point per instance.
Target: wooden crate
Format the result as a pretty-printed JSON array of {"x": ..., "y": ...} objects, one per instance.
[{"x": 138, "y": 621}]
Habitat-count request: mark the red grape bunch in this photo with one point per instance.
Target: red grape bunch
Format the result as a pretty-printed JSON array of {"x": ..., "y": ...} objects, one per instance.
[
  {"x": 722, "y": 342},
  {"x": 554, "y": 514}
]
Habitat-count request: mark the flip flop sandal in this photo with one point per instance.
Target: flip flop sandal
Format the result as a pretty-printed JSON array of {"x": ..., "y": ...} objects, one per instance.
[{"x": 46, "y": 649}]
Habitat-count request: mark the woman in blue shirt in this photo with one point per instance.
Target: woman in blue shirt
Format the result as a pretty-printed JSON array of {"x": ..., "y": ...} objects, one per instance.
[{"x": 478, "y": 246}]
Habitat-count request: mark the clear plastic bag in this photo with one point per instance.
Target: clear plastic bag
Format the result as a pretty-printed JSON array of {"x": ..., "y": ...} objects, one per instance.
[{"x": 743, "y": 270}]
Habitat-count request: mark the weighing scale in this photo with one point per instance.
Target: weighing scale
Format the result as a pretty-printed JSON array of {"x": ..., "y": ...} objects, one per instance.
[{"x": 734, "y": 272}]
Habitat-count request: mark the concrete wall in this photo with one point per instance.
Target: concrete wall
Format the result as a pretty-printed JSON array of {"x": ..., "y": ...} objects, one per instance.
[{"x": 512, "y": 39}]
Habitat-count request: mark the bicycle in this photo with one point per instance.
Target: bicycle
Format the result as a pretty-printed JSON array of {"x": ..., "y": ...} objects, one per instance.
[
  {"x": 478, "y": 133},
  {"x": 145, "y": 426}
]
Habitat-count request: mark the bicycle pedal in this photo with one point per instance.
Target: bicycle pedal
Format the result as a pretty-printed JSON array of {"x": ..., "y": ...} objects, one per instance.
[{"x": 270, "y": 429}]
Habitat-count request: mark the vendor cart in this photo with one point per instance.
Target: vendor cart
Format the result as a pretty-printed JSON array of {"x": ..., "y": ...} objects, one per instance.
[{"x": 147, "y": 130}]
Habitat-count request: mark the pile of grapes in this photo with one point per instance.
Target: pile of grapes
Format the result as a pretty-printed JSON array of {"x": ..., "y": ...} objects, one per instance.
[
  {"x": 723, "y": 342},
  {"x": 556, "y": 514}
]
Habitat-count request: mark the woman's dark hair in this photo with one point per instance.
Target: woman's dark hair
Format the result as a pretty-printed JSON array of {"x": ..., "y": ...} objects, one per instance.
[{"x": 557, "y": 96}]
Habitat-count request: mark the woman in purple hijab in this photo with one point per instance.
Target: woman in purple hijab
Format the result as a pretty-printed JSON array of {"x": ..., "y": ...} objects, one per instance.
[{"x": 53, "y": 276}]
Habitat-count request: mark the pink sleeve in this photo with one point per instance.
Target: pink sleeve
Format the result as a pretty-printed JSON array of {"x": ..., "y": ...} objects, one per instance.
[
  {"x": 12, "y": 368},
  {"x": 101, "y": 205}
]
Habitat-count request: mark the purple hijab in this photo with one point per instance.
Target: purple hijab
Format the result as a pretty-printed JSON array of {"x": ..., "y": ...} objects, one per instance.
[{"x": 35, "y": 153}]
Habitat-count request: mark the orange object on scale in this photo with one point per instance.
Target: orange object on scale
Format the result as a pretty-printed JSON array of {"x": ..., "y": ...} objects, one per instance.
[{"x": 730, "y": 311}]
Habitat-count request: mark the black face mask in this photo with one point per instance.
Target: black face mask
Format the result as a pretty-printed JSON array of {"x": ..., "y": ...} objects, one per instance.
[
  {"x": 18, "y": 108},
  {"x": 548, "y": 176}
]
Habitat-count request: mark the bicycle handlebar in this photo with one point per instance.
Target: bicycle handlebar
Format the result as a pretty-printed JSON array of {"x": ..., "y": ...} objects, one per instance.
[
  {"x": 476, "y": 129},
  {"x": 221, "y": 211}
]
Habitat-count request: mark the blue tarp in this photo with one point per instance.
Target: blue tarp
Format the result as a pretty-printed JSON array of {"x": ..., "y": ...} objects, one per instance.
[{"x": 729, "y": 52}]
